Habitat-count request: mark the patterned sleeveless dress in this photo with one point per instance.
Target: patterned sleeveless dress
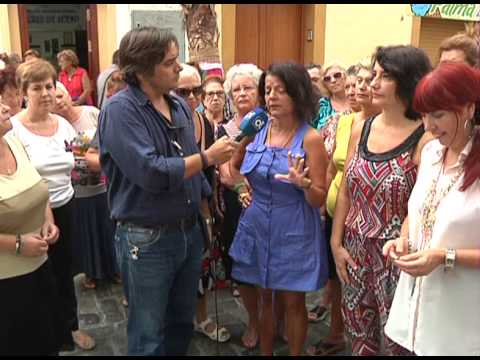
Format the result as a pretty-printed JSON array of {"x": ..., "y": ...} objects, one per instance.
[
  {"x": 379, "y": 186},
  {"x": 279, "y": 243}
]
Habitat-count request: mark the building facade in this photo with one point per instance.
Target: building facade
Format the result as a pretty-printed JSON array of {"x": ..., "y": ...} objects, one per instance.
[{"x": 259, "y": 33}]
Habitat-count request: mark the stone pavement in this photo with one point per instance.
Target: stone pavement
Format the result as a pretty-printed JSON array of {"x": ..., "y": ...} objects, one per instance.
[{"x": 102, "y": 315}]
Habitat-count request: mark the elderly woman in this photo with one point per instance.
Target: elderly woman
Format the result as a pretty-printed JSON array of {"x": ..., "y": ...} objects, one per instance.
[
  {"x": 380, "y": 172},
  {"x": 241, "y": 85},
  {"x": 93, "y": 240},
  {"x": 46, "y": 137},
  {"x": 190, "y": 89},
  {"x": 279, "y": 245},
  {"x": 11, "y": 94},
  {"x": 438, "y": 249},
  {"x": 29, "y": 325},
  {"x": 74, "y": 78},
  {"x": 334, "y": 81},
  {"x": 316, "y": 75}
]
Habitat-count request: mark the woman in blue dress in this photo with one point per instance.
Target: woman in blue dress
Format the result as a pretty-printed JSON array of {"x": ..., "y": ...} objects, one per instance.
[{"x": 279, "y": 245}]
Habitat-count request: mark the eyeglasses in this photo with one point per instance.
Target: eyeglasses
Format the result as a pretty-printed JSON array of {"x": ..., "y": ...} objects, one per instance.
[
  {"x": 185, "y": 92},
  {"x": 329, "y": 78},
  {"x": 239, "y": 89},
  {"x": 211, "y": 94}
]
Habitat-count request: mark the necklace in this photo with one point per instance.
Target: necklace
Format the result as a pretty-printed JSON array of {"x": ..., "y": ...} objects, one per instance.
[
  {"x": 431, "y": 203},
  {"x": 284, "y": 144},
  {"x": 6, "y": 162}
]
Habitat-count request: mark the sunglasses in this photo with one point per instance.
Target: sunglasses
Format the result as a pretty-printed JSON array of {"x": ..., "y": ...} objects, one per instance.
[
  {"x": 185, "y": 92},
  {"x": 329, "y": 78}
]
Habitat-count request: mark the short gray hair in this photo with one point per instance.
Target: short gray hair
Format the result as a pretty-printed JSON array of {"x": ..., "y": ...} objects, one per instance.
[
  {"x": 189, "y": 70},
  {"x": 249, "y": 70}
]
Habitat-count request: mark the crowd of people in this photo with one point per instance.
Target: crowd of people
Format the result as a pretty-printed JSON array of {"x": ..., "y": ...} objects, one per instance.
[{"x": 363, "y": 181}]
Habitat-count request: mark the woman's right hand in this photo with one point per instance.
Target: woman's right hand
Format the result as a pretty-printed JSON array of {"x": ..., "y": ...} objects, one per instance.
[
  {"x": 342, "y": 258},
  {"x": 396, "y": 248},
  {"x": 33, "y": 245}
]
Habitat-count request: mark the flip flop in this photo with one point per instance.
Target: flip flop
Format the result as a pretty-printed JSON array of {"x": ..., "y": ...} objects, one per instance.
[
  {"x": 323, "y": 348},
  {"x": 318, "y": 313}
]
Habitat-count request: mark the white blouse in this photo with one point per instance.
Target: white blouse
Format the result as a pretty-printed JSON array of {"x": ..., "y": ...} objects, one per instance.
[
  {"x": 50, "y": 157},
  {"x": 439, "y": 314}
]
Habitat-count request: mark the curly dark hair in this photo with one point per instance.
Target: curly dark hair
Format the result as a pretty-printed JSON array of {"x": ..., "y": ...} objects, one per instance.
[{"x": 298, "y": 85}]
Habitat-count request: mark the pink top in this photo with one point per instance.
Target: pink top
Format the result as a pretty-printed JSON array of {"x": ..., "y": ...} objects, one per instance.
[{"x": 74, "y": 85}]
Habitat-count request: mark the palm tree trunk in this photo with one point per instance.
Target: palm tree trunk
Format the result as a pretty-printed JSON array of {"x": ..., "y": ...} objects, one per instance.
[{"x": 200, "y": 21}]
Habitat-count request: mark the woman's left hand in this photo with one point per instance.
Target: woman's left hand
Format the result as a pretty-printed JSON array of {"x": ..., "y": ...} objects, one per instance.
[
  {"x": 297, "y": 172},
  {"x": 421, "y": 263},
  {"x": 50, "y": 232}
]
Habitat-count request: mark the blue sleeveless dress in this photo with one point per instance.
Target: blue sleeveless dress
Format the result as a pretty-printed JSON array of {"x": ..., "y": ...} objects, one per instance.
[{"x": 279, "y": 243}]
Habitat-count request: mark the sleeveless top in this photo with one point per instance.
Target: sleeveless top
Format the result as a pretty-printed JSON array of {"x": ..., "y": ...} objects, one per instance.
[
  {"x": 74, "y": 85},
  {"x": 23, "y": 199},
  {"x": 279, "y": 243},
  {"x": 342, "y": 138},
  {"x": 379, "y": 186}
]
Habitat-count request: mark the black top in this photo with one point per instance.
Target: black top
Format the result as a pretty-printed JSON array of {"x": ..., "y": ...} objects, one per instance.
[
  {"x": 209, "y": 140},
  {"x": 408, "y": 144}
]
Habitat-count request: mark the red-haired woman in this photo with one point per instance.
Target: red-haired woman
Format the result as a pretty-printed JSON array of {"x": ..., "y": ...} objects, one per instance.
[{"x": 435, "y": 309}]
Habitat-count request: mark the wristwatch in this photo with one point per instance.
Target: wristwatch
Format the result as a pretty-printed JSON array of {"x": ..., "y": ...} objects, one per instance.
[{"x": 450, "y": 259}]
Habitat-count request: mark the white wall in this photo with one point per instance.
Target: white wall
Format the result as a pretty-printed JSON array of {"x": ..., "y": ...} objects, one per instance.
[{"x": 353, "y": 31}]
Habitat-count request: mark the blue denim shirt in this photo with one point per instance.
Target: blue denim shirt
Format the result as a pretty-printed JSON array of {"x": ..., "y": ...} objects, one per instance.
[{"x": 142, "y": 154}]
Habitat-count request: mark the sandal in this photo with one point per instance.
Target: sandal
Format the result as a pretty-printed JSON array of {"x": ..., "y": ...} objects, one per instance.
[
  {"x": 318, "y": 313},
  {"x": 249, "y": 343},
  {"x": 235, "y": 292},
  {"x": 89, "y": 283},
  {"x": 323, "y": 348},
  {"x": 223, "y": 334},
  {"x": 83, "y": 340}
]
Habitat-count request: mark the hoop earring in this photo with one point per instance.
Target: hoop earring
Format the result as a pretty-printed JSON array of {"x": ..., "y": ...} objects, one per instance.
[{"x": 469, "y": 123}]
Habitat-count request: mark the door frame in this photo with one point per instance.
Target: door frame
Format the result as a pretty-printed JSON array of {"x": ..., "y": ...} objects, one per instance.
[{"x": 92, "y": 38}]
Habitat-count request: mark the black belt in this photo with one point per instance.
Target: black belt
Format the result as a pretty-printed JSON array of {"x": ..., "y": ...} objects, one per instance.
[{"x": 172, "y": 227}]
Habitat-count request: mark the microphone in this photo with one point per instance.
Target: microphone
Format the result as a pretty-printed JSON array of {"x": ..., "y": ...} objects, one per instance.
[{"x": 252, "y": 123}]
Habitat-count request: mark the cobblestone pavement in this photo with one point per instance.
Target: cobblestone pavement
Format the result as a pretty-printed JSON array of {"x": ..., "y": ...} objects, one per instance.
[{"x": 102, "y": 315}]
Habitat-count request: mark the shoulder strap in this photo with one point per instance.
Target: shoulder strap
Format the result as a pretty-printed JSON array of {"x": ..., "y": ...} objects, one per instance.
[
  {"x": 300, "y": 136},
  {"x": 104, "y": 89}
]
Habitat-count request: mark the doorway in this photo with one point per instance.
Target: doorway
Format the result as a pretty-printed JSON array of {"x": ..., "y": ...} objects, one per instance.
[
  {"x": 267, "y": 33},
  {"x": 51, "y": 28}
]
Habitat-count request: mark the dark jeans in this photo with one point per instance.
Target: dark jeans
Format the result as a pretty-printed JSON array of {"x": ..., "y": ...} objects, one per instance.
[
  {"x": 161, "y": 273},
  {"x": 60, "y": 255}
]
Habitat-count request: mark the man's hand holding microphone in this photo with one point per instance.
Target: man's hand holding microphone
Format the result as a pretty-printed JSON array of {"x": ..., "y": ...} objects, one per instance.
[{"x": 223, "y": 149}]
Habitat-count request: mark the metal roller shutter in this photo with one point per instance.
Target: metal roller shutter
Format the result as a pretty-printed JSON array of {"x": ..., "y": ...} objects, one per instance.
[{"x": 433, "y": 31}]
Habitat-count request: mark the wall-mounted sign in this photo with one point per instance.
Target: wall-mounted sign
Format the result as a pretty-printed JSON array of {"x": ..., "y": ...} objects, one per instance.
[
  {"x": 465, "y": 12},
  {"x": 56, "y": 17}
]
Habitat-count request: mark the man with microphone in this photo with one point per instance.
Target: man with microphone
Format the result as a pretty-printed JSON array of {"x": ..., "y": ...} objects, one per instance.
[{"x": 155, "y": 191}]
